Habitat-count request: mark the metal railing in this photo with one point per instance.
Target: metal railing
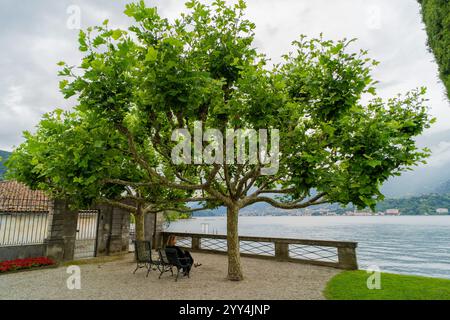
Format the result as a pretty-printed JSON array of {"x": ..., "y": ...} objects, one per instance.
[
  {"x": 86, "y": 235},
  {"x": 337, "y": 254},
  {"x": 18, "y": 229}
]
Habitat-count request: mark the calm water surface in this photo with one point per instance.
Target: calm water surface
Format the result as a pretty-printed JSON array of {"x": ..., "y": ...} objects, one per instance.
[{"x": 407, "y": 244}]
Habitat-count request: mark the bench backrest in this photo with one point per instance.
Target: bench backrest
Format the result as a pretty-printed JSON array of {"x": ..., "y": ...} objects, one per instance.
[
  {"x": 172, "y": 257},
  {"x": 163, "y": 256}
]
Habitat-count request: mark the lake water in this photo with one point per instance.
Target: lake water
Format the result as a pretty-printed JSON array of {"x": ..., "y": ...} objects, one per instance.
[{"x": 417, "y": 245}]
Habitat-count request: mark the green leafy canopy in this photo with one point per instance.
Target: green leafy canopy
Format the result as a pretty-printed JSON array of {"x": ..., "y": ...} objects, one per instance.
[{"x": 135, "y": 86}]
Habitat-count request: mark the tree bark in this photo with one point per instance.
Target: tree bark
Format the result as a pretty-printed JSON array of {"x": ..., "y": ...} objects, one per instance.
[
  {"x": 234, "y": 257},
  {"x": 140, "y": 223}
]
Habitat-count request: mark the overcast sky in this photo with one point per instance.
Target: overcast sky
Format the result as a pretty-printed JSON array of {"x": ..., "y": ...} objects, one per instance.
[{"x": 35, "y": 35}]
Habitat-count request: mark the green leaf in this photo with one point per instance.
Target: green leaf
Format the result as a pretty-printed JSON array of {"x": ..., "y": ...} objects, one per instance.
[
  {"x": 117, "y": 34},
  {"x": 374, "y": 163},
  {"x": 98, "y": 144},
  {"x": 190, "y": 4},
  {"x": 174, "y": 42},
  {"x": 63, "y": 84},
  {"x": 82, "y": 41},
  {"x": 97, "y": 65},
  {"x": 151, "y": 55},
  {"x": 130, "y": 10},
  {"x": 98, "y": 41}
]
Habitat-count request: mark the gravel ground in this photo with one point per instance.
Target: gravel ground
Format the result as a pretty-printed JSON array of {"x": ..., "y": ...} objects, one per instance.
[{"x": 114, "y": 280}]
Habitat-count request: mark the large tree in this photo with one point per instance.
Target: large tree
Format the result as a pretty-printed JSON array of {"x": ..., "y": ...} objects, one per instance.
[
  {"x": 436, "y": 16},
  {"x": 74, "y": 155},
  {"x": 201, "y": 72}
]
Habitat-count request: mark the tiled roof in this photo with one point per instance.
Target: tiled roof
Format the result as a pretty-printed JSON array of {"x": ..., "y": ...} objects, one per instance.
[{"x": 17, "y": 197}]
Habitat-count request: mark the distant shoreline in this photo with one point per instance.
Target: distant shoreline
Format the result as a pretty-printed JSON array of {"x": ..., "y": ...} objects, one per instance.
[{"x": 338, "y": 215}]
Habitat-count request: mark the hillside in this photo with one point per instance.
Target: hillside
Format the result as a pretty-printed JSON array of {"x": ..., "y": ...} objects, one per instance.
[
  {"x": 425, "y": 204},
  {"x": 4, "y": 155},
  {"x": 418, "y": 205},
  {"x": 424, "y": 179},
  {"x": 444, "y": 188}
]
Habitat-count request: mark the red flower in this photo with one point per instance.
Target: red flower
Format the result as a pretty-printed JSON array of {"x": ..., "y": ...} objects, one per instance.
[{"x": 19, "y": 264}]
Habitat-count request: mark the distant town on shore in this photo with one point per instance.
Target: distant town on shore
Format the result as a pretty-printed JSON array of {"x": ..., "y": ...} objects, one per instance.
[
  {"x": 437, "y": 203},
  {"x": 323, "y": 211}
]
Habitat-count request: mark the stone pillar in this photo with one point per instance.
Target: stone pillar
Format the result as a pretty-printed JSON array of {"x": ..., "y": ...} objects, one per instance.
[
  {"x": 149, "y": 225},
  {"x": 105, "y": 215},
  {"x": 153, "y": 233},
  {"x": 281, "y": 251},
  {"x": 120, "y": 231},
  {"x": 347, "y": 258},
  {"x": 159, "y": 230},
  {"x": 62, "y": 229},
  {"x": 113, "y": 230},
  {"x": 196, "y": 243}
]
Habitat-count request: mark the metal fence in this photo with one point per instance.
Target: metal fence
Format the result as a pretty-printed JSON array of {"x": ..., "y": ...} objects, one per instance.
[
  {"x": 23, "y": 228},
  {"x": 86, "y": 237}
]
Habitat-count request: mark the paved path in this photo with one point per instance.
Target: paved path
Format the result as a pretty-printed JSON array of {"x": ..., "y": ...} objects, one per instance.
[{"x": 114, "y": 280}]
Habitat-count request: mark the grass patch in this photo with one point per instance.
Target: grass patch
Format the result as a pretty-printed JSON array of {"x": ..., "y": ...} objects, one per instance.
[{"x": 352, "y": 285}]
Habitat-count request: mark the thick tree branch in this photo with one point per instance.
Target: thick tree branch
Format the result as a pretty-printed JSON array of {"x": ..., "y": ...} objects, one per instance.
[
  {"x": 152, "y": 172},
  {"x": 255, "y": 172},
  {"x": 288, "y": 205},
  {"x": 178, "y": 210},
  {"x": 282, "y": 191},
  {"x": 119, "y": 204}
]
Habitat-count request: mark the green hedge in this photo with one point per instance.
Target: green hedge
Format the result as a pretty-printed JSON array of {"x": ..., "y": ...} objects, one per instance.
[{"x": 436, "y": 16}]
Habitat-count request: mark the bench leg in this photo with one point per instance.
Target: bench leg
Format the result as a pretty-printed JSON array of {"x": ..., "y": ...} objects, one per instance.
[
  {"x": 164, "y": 269},
  {"x": 134, "y": 272}
]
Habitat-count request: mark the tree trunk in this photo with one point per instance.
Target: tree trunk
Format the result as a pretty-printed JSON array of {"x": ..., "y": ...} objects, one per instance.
[
  {"x": 140, "y": 233},
  {"x": 140, "y": 223},
  {"x": 234, "y": 257}
]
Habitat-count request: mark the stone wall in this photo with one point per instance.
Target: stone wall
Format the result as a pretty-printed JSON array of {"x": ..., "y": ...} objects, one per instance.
[
  {"x": 151, "y": 233},
  {"x": 22, "y": 252},
  {"x": 112, "y": 233}
]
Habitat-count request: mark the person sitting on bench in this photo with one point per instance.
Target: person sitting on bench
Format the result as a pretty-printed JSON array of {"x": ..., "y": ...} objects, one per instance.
[{"x": 172, "y": 243}]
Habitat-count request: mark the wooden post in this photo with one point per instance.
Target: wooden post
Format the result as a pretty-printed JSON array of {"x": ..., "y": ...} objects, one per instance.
[{"x": 347, "y": 258}]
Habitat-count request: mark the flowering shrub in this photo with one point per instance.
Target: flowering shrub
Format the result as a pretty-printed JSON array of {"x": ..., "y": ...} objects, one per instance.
[{"x": 28, "y": 263}]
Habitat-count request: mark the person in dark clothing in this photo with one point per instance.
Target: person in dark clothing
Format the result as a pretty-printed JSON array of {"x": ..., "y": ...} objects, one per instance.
[{"x": 172, "y": 243}]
